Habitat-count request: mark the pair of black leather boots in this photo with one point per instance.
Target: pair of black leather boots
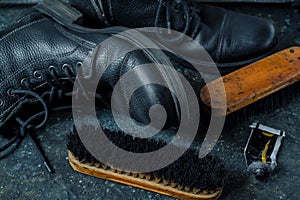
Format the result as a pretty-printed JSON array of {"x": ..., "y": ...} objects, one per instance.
[{"x": 42, "y": 52}]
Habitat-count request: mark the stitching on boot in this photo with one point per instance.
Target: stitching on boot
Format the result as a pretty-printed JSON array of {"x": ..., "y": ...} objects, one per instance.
[
  {"x": 74, "y": 38},
  {"x": 7, "y": 35}
]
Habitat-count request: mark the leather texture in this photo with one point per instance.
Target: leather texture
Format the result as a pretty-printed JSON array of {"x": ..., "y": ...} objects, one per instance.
[
  {"x": 37, "y": 41},
  {"x": 231, "y": 38}
]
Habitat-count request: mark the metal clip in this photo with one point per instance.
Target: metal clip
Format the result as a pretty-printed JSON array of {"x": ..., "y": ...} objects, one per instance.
[{"x": 262, "y": 148}]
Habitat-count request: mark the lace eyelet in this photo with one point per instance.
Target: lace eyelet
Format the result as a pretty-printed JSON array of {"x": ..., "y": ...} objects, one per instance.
[
  {"x": 79, "y": 64},
  {"x": 23, "y": 81},
  {"x": 177, "y": 8},
  {"x": 51, "y": 67},
  {"x": 65, "y": 66},
  {"x": 1, "y": 102},
  {"x": 9, "y": 92},
  {"x": 37, "y": 75}
]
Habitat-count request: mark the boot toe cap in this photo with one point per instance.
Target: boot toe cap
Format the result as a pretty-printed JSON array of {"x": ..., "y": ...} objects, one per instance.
[
  {"x": 250, "y": 37},
  {"x": 263, "y": 37}
]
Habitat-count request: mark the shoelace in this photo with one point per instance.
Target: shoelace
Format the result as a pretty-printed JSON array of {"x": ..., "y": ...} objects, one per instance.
[
  {"x": 58, "y": 89},
  {"x": 188, "y": 11}
]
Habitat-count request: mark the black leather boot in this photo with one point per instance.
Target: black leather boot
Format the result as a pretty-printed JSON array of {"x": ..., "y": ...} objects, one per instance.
[
  {"x": 41, "y": 55},
  {"x": 232, "y": 39}
]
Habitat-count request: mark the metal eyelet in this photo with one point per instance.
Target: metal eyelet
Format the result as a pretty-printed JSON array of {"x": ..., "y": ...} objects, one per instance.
[
  {"x": 51, "y": 67},
  {"x": 176, "y": 8},
  {"x": 65, "y": 66},
  {"x": 23, "y": 81},
  {"x": 37, "y": 74},
  {"x": 9, "y": 93},
  {"x": 79, "y": 64},
  {"x": 1, "y": 102}
]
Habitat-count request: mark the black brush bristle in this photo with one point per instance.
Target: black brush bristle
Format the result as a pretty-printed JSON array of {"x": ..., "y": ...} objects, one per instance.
[
  {"x": 266, "y": 105},
  {"x": 189, "y": 170}
]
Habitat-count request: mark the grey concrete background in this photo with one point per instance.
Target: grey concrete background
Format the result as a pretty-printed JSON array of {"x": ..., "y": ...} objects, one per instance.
[{"x": 23, "y": 177}]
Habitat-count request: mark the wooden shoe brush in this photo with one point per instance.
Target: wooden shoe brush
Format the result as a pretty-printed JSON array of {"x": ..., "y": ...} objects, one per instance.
[
  {"x": 187, "y": 178},
  {"x": 258, "y": 87}
]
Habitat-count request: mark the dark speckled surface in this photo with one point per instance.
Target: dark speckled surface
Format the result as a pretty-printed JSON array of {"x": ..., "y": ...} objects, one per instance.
[{"x": 23, "y": 177}]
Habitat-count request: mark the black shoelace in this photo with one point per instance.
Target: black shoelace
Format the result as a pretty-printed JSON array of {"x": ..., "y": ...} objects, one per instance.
[
  {"x": 188, "y": 10},
  {"x": 58, "y": 90}
]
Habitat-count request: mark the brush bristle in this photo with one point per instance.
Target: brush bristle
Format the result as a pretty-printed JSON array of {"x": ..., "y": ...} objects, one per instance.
[
  {"x": 189, "y": 172},
  {"x": 264, "y": 106}
]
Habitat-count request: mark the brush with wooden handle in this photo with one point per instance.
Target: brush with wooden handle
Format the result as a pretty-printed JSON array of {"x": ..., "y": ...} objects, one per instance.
[
  {"x": 258, "y": 87},
  {"x": 190, "y": 177}
]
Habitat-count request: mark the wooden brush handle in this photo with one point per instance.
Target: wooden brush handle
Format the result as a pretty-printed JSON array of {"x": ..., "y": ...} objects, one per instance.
[
  {"x": 145, "y": 184},
  {"x": 253, "y": 82}
]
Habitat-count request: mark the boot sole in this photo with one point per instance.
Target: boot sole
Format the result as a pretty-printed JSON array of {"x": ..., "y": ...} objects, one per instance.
[{"x": 223, "y": 68}]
